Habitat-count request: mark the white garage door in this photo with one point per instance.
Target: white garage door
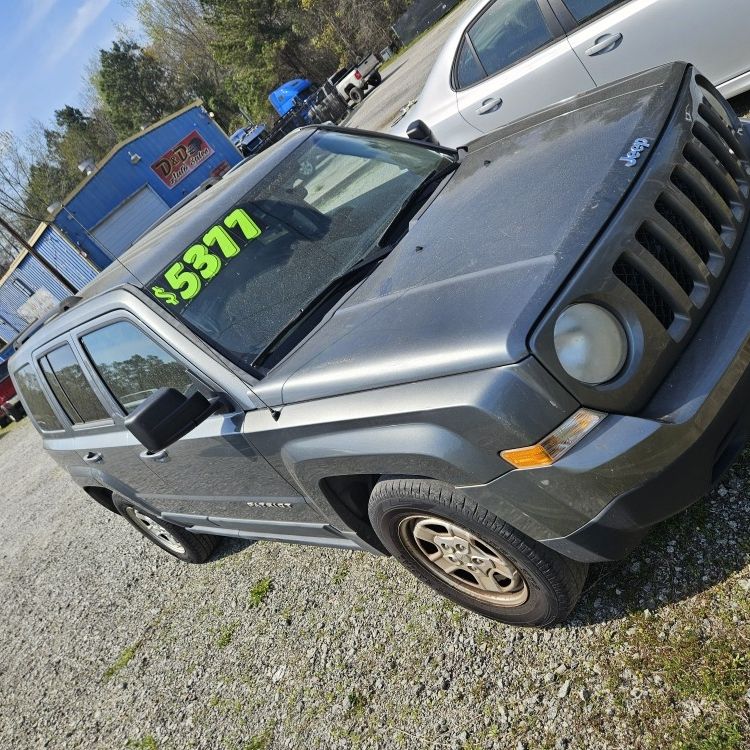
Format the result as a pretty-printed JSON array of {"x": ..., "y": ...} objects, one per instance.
[{"x": 127, "y": 223}]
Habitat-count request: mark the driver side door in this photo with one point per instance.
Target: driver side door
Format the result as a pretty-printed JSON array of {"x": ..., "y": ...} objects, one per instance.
[{"x": 213, "y": 472}]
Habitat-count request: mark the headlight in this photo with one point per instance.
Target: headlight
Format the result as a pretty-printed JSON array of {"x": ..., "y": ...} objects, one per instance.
[{"x": 590, "y": 343}]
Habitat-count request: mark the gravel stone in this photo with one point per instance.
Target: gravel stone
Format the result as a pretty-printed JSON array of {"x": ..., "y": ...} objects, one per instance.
[{"x": 108, "y": 643}]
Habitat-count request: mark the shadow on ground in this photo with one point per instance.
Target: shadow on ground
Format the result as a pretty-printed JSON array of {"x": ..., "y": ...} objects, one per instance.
[
  {"x": 682, "y": 557},
  {"x": 228, "y": 547}
]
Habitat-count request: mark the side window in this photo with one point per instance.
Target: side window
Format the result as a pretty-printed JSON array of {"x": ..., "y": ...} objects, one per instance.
[
  {"x": 67, "y": 381},
  {"x": 131, "y": 365},
  {"x": 582, "y": 10},
  {"x": 468, "y": 69},
  {"x": 36, "y": 401},
  {"x": 507, "y": 32}
]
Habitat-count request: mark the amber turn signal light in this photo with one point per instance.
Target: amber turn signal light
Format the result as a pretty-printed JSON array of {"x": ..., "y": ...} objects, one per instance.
[{"x": 556, "y": 444}]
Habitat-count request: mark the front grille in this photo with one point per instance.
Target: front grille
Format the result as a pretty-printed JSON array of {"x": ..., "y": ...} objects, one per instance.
[
  {"x": 682, "y": 250},
  {"x": 639, "y": 284}
]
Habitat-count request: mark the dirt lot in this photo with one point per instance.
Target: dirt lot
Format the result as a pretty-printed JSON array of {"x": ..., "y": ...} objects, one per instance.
[{"x": 108, "y": 643}]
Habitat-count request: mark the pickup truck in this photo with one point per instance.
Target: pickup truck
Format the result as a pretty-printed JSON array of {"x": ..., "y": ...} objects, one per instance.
[
  {"x": 498, "y": 363},
  {"x": 352, "y": 83}
]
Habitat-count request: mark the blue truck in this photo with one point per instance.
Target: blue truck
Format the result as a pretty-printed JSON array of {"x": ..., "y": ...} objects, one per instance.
[{"x": 290, "y": 94}]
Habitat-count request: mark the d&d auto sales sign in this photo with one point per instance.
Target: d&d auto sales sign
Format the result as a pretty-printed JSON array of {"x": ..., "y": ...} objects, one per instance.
[{"x": 182, "y": 159}]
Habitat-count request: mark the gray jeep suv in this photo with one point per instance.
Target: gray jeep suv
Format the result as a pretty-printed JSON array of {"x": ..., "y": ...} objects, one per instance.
[{"x": 498, "y": 364}]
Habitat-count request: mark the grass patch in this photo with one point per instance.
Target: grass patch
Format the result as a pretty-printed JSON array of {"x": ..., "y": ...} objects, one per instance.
[
  {"x": 258, "y": 741},
  {"x": 693, "y": 672},
  {"x": 340, "y": 574},
  {"x": 725, "y": 733},
  {"x": 357, "y": 703},
  {"x": 122, "y": 661},
  {"x": 145, "y": 743},
  {"x": 259, "y": 592},
  {"x": 226, "y": 633}
]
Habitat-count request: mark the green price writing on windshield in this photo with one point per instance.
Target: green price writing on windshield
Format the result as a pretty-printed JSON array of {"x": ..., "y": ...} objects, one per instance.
[{"x": 185, "y": 277}]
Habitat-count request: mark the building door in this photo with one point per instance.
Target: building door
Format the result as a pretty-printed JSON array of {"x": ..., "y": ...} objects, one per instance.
[{"x": 121, "y": 228}]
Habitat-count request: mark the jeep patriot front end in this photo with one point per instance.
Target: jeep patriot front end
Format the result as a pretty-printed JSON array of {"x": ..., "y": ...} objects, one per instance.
[{"x": 498, "y": 364}]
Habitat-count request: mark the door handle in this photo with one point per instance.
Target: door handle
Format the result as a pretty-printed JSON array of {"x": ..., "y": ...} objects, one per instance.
[
  {"x": 490, "y": 105},
  {"x": 158, "y": 456},
  {"x": 604, "y": 43},
  {"x": 93, "y": 458}
]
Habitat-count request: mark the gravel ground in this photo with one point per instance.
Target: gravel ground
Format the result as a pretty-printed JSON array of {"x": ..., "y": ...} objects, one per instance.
[{"x": 109, "y": 643}]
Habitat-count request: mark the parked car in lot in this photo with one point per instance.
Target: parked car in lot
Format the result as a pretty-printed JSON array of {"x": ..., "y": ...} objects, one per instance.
[
  {"x": 498, "y": 364},
  {"x": 352, "y": 83},
  {"x": 509, "y": 58}
]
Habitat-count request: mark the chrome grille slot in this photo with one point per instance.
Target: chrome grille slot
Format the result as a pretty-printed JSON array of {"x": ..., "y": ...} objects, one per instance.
[
  {"x": 646, "y": 292},
  {"x": 667, "y": 257}
]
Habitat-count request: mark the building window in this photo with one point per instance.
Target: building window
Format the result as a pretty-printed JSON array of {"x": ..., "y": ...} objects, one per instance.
[{"x": 18, "y": 284}]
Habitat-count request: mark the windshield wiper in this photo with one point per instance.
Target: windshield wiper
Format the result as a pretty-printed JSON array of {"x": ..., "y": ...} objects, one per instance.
[
  {"x": 338, "y": 285},
  {"x": 413, "y": 203},
  {"x": 363, "y": 266}
]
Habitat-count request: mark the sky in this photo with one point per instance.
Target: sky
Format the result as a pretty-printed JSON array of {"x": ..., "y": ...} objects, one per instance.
[{"x": 46, "y": 50}]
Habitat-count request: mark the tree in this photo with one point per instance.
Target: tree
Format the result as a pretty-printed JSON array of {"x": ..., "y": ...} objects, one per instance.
[
  {"x": 134, "y": 88},
  {"x": 352, "y": 28},
  {"x": 181, "y": 40},
  {"x": 263, "y": 43}
]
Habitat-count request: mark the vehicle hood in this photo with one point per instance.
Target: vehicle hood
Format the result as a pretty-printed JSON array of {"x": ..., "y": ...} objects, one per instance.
[{"x": 464, "y": 288}]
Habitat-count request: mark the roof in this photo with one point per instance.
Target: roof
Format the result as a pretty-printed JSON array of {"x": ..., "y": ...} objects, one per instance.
[{"x": 116, "y": 149}]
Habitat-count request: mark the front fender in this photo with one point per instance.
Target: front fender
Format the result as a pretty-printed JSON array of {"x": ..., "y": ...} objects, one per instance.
[{"x": 450, "y": 429}]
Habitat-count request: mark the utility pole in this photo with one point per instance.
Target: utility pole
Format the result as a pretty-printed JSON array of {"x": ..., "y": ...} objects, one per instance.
[{"x": 30, "y": 250}]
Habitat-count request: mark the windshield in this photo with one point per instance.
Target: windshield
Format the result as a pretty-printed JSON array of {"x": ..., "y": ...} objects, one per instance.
[{"x": 313, "y": 217}]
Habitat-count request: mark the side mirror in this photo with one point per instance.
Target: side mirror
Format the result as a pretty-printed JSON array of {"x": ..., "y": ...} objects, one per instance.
[
  {"x": 166, "y": 416},
  {"x": 418, "y": 131}
]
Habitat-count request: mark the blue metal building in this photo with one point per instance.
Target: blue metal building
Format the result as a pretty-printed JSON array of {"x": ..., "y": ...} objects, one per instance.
[
  {"x": 27, "y": 276},
  {"x": 141, "y": 179}
]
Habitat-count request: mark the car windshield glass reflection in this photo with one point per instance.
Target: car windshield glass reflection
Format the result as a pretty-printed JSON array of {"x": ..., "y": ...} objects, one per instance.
[{"x": 303, "y": 225}]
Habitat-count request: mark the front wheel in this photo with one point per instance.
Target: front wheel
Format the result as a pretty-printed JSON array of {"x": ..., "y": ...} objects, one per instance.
[
  {"x": 470, "y": 556},
  {"x": 375, "y": 80},
  {"x": 179, "y": 542}
]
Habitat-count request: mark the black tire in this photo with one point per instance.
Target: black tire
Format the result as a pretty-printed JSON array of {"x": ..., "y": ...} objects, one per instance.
[
  {"x": 5, "y": 420},
  {"x": 355, "y": 96},
  {"x": 17, "y": 412},
  {"x": 195, "y": 548},
  {"x": 375, "y": 80},
  {"x": 544, "y": 588}
]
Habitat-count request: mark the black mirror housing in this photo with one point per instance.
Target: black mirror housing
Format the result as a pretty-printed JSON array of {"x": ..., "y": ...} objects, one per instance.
[
  {"x": 167, "y": 415},
  {"x": 419, "y": 131}
]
